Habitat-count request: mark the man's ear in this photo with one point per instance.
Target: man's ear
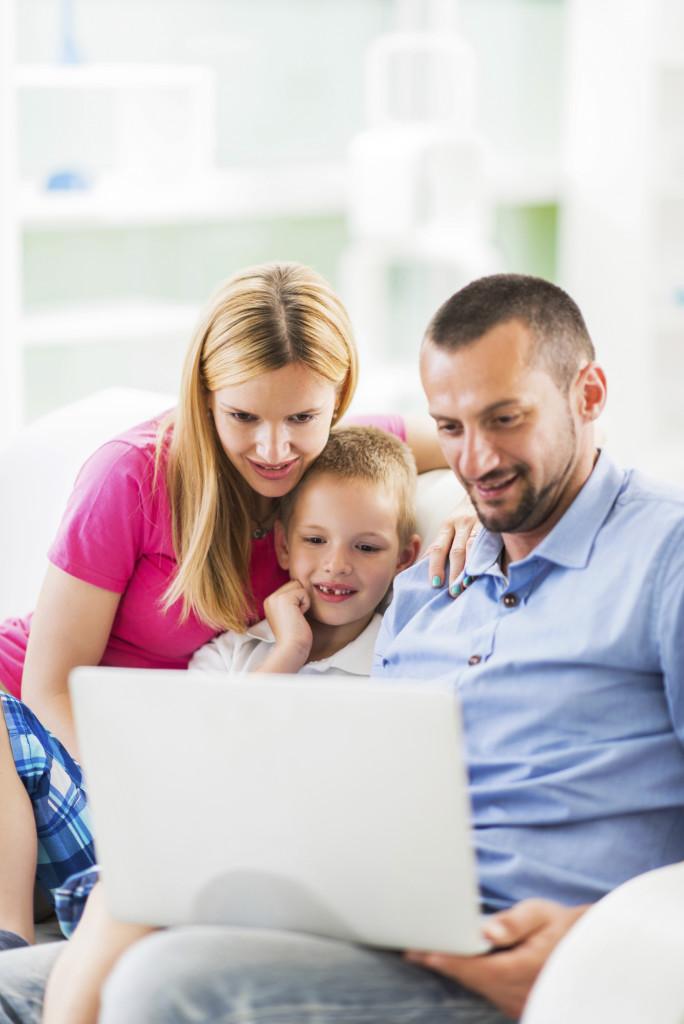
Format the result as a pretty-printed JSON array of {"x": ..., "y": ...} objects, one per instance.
[
  {"x": 591, "y": 391},
  {"x": 280, "y": 541},
  {"x": 408, "y": 556}
]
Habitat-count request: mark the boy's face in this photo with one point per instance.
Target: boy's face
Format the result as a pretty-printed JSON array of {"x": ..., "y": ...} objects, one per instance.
[{"x": 342, "y": 546}]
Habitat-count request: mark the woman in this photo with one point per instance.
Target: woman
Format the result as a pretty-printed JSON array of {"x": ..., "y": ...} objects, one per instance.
[{"x": 167, "y": 540}]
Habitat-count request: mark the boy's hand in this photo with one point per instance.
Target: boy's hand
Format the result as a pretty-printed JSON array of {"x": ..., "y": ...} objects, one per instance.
[{"x": 285, "y": 610}]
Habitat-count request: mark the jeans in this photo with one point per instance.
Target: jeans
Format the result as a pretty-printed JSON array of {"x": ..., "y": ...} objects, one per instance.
[{"x": 215, "y": 975}]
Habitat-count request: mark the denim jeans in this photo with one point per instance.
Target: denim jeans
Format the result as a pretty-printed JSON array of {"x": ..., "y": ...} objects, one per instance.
[{"x": 214, "y": 975}]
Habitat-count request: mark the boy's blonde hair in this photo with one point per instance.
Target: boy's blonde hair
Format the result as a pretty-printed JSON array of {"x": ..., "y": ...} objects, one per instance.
[
  {"x": 366, "y": 453},
  {"x": 261, "y": 319}
]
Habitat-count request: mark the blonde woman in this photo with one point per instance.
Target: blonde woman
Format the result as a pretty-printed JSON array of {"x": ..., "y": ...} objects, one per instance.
[{"x": 166, "y": 542}]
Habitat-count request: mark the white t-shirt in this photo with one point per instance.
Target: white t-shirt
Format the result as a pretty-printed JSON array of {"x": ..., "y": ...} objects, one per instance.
[{"x": 244, "y": 652}]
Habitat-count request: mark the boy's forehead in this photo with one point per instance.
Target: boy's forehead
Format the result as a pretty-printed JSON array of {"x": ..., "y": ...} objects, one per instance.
[{"x": 329, "y": 484}]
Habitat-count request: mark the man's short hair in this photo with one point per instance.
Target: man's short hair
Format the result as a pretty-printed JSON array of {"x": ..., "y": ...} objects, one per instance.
[
  {"x": 371, "y": 454},
  {"x": 561, "y": 337}
]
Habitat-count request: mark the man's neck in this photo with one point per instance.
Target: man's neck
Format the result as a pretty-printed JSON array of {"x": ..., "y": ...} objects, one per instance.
[{"x": 519, "y": 545}]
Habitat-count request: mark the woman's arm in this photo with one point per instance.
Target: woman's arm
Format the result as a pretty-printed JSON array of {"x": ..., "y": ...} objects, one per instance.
[
  {"x": 421, "y": 437},
  {"x": 72, "y": 995},
  {"x": 71, "y": 626}
]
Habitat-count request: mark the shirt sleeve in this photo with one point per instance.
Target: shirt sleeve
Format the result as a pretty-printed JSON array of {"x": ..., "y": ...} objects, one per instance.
[
  {"x": 669, "y": 624},
  {"x": 217, "y": 655},
  {"x": 107, "y": 517}
]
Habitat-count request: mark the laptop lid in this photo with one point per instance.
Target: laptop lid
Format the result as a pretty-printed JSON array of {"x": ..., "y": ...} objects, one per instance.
[{"x": 325, "y": 805}]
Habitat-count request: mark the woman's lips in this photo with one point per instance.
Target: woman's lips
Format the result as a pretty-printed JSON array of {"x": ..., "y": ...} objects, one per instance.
[{"x": 277, "y": 472}]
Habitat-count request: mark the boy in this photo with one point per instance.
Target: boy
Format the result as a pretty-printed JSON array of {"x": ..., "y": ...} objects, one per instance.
[{"x": 343, "y": 534}]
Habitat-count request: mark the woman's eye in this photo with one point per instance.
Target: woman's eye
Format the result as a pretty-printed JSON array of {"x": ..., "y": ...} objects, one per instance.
[
  {"x": 302, "y": 417},
  {"x": 243, "y": 417}
]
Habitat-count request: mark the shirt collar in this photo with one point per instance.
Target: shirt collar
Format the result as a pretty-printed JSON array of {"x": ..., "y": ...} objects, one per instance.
[
  {"x": 356, "y": 658},
  {"x": 571, "y": 540}
]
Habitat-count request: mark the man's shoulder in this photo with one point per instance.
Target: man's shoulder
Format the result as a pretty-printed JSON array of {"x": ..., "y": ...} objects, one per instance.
[
  {"x": 639, "y": 487},
  {"x": 411, "y": 591}
]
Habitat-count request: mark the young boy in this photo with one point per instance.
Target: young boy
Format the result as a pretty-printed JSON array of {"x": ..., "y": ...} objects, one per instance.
[{"x": 343, "y": 534}]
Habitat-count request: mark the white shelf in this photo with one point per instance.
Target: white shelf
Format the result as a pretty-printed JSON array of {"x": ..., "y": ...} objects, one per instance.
[
  {"x": 236, "y": 194},
  {"x": 91, "y": 323}
]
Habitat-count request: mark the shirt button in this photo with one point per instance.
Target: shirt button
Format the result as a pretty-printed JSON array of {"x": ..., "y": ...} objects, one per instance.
[
  {"x": 474, "y": 659},
  {"x": 510, "y": 600}
]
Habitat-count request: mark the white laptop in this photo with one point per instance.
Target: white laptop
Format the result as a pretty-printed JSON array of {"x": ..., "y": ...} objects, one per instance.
[{"x": 324, "y": 805}]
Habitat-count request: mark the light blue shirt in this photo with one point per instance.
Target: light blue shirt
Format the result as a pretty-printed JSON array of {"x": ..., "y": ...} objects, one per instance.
[{"x": 570, "y": 674}]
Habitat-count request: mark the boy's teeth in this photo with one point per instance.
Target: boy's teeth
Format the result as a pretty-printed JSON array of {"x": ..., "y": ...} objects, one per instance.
[{"x": 334, "y": 590}]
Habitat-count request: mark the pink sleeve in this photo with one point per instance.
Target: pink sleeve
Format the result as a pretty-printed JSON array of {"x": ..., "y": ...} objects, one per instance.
[
  {"x": 108, "y": 515},
  {"x": 390, "y": 422}
]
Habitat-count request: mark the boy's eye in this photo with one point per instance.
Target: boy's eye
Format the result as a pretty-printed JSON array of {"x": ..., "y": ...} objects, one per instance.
[
  {"x": 313, "y": 540},
  {"x": 367, "y": 547}
]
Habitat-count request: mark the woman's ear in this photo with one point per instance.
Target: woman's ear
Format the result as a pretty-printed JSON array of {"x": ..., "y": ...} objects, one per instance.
[
  {"x": 408, "y": 556},
  {"x": 280, "y": 541}
]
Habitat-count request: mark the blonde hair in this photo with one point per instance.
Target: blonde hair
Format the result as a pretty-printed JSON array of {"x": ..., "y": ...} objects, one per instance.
[
  {"x": 366, "y": 453},
  {"x": 259, "y": 320}
]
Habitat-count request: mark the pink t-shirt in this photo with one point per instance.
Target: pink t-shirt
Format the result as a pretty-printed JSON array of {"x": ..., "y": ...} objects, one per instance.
[{"x": 116, "y": 534}]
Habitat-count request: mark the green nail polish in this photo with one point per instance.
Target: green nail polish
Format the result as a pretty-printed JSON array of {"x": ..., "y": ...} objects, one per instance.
[
  {"x": 456, "y": 589},
  {"x": 436, "y": 581}
]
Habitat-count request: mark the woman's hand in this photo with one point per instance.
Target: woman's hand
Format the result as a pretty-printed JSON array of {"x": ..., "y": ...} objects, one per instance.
[
  {"x": 285, "y": 611},
  {"x": 454, "y": 539}
]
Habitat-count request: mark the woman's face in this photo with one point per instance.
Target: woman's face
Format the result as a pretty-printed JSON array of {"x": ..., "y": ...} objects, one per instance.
[{"x": 273, "y": 427}]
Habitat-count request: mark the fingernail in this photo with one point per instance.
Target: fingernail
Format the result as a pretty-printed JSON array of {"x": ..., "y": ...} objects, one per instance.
[
  {"x": 436, "y": 581},
  {"x": 455, "y": 589},
  {"x": 496, "y": 931}
]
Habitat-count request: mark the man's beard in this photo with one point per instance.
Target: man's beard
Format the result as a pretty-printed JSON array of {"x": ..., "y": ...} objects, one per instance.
[{"x": 535, "y": 505}]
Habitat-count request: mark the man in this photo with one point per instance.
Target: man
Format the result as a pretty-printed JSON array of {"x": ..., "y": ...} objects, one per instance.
[{"x": 563, "y": 642}]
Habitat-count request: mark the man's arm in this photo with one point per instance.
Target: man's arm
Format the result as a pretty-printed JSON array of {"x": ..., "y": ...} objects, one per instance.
[{"x": 523, "y": 937}]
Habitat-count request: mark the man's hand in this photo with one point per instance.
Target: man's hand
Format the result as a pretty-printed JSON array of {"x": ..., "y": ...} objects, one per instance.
[
  {"x": 285, "y": 610},
  {"x": 454, "y": 539},
  {"x": 524, "y": 937}
]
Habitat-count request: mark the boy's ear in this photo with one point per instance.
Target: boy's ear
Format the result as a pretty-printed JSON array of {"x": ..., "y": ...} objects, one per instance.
[
  {"x": 408, "y": 556},
  {"x": 281, "y": 549}
]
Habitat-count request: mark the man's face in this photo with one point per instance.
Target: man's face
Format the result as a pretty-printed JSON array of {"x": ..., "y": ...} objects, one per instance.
[{"x": 507, "y": 431}]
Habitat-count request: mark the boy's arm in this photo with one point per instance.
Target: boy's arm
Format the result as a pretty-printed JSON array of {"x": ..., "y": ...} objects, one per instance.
[
  {"x": 285, "y": 610},
  {"x": 72, "y": 995}
]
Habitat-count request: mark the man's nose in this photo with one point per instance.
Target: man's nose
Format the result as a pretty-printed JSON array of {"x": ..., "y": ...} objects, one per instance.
[{"x": 477, "y": 457}]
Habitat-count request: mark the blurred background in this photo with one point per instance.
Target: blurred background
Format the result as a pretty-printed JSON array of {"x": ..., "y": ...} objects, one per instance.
[{"x": 149, "y": 148}]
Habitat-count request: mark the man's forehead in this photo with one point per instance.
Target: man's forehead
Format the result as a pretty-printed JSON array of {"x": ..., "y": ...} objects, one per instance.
[{"x": 493, "y": 371}]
